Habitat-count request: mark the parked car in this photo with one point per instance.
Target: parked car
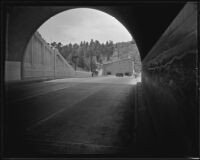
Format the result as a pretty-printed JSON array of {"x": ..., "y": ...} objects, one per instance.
[
  {"x": 119, "y": 74},
  {"x": 108, "y": 73},
  {"x": 95, "y": 73},
  {"x": 127, "y": 74}
]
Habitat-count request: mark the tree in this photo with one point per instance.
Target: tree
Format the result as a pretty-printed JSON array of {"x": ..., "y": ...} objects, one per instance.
[
  {"x": 89, "y": 53},
  {"x": 54, "y": 44}
]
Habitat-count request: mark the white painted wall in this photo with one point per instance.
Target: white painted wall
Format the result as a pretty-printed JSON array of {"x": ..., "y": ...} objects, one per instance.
[
  {"x": 82, "y": 74},
  {"x": 43, "y": 62},
  {"x": 122, "y": 66}
]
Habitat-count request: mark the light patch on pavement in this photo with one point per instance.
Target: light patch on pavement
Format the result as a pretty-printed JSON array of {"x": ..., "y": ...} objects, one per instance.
[
  {"x": 133, "y": 81},
  {"x": 139, "y": 79},
  {"x": 104, "y": 79}
]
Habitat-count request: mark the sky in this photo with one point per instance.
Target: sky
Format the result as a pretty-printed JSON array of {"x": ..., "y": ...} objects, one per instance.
[{"x": 83, "y": 24}]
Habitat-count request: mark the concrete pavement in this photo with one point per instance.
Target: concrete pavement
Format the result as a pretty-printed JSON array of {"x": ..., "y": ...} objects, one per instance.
[{"x": 69, "y": 116}]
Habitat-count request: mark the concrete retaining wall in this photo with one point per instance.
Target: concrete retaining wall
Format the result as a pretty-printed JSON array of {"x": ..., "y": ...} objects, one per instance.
[
  {"x": 82, "y": 74},
  {"x": 41, "y": 62}
]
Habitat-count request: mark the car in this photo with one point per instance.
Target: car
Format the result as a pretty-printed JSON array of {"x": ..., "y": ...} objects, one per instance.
[
  {"x": 94, "y": 73},
  {"x": 108, "y": 73},
  {"x": 127, "y": 74},
  {"x": 119, "y": 74}
]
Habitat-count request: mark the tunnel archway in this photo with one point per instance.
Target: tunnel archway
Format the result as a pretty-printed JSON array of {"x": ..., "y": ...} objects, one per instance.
[
  {"x": 129, "y": 15},
  {"x": 89, "y": 24},
  {"x": 179, "y": 43}
]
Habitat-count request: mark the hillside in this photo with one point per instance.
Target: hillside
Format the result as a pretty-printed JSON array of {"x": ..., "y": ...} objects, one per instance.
[{"x": 90, "y": 55}]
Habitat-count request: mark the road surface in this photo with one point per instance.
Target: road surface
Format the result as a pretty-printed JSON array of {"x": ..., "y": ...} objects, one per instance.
[{"x": 69, "y": 116}]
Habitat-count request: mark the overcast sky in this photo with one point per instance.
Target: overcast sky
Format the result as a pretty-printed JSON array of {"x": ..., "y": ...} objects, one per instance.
[{"x": 83, "y": 24}]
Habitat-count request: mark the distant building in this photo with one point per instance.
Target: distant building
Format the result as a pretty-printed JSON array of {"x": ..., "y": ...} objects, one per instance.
[
  {"x": 121, "y": 66},
  {"x": 122, "y": 60}
]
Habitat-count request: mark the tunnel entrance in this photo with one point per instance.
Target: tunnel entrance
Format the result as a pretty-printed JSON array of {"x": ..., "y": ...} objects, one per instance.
[
  {"x": 168, "y": 116},
  {"x": 87, "y": 43},
  {"x": 94, "y": 111}
]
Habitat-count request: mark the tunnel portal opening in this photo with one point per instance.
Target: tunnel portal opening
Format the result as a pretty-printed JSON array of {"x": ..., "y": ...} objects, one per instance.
[
  {"x": 84, "y": 111},
  {"x": 107, "y": 46},
  {"x": 166, "y": 114}
]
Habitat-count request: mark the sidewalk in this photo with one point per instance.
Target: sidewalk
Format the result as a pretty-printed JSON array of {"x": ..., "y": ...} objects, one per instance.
[
  {"x": 146, "y": 142},
  {"x": 160, "y": 132}
]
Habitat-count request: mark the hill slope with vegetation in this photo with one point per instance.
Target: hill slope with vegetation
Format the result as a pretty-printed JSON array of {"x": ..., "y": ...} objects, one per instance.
[{"x": 88, "y": 55}]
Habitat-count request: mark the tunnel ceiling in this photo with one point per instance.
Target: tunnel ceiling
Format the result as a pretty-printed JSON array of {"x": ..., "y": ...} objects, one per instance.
[{"x": 145, "y": 21}]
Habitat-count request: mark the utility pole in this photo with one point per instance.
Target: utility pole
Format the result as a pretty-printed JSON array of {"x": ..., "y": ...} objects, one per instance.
[
  {"x": 118, "y": 52},
  {"x": 91, "y": 61},
  {"x": 74, "y": 59}
]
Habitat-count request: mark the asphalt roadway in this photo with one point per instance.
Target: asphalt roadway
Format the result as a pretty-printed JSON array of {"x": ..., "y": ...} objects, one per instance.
[{"x": 71, "y": 116}]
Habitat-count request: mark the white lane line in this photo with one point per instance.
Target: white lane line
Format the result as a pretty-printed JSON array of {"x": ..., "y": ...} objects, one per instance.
[{"x": 63, "y": 109}]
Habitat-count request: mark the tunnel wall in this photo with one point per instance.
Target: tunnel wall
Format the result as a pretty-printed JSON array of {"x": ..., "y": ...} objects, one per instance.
[
  {"x": 41, "y": 62},
  {"x": 12, "y": 70},
  {"x": 170, "y": 83}
]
